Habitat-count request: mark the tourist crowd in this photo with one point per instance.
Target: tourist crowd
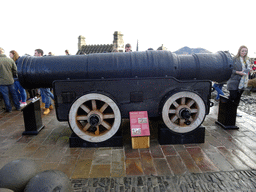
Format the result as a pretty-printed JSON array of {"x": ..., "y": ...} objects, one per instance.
[{"x": 10, "y": 85}]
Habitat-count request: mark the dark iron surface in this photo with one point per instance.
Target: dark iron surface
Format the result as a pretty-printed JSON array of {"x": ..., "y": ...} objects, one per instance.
[
  {"x": 35, "y": 72},
  {"x": 149, "y": 93}
]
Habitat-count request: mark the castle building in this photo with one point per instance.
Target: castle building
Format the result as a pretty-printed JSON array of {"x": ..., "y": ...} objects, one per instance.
[{"x": 118, "y": 44}]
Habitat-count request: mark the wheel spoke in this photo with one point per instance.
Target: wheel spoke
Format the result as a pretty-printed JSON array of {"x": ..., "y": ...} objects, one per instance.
[
  {"x": 194, "y": 110},
  {"x": 97, "y": 132},
  {"x": 174, "y": 118},
  {"x": 103, "y": 107},
  {"x": 106, "y": 124},
  {"x": 109, "y": 116},
  {"x": 190, "y": 103},
  {"x": 94, "y": 106},
  {"x": 85, "y": 108},
  {"x": 87, "y": 126},
  {"x": 175, "y": 104},
  {"x": 183, "y": 101},
  {"x": 80, "y": 123},
  {"x": 82, "y": 118},
  {"x": 182, "y": 122},
  {"x": 172, "y": 111}
]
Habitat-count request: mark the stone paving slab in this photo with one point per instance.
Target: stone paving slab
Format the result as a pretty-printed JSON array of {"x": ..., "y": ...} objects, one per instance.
[{"x": 225, "y": 152}]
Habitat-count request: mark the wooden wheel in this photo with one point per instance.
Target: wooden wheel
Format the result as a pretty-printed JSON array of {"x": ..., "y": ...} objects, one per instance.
[
  {"x": 94, "y": 117},
  {"x": 183, "y": 112}
]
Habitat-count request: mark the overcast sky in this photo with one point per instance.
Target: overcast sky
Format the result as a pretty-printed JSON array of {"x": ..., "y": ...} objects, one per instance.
[{"x": 55, "y": 25}]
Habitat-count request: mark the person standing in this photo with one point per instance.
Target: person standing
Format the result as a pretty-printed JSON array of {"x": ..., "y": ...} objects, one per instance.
[
  {"x": 21, "y": 92},
  {"x": 128, "y": 47},
  {"x": 46, "y": 93},
  {"x": 218, "y": 88},
  {"x": 239, "y": 77},
  {"x": 67, "y": 52},
  {"x": 8, "y": 69}
]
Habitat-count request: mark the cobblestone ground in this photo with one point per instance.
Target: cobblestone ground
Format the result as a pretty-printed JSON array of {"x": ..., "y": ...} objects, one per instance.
[{"x": 220, "y": 181}]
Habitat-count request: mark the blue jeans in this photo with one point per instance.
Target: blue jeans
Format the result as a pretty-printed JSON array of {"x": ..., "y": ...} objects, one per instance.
[
  {"x": 46, "y": 95},
  {"x": 21, "y": 92},
  {"x": 5, "y": 89},
  {"x": 218, "y": 88}
]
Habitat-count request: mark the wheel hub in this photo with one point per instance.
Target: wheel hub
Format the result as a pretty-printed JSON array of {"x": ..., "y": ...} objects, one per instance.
[
  {"x": 185, "y": 113},
  {"x": 94, "y": 120}
]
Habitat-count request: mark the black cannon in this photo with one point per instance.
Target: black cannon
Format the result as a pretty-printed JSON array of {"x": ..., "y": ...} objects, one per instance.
[{"x": 94, "y": 92}]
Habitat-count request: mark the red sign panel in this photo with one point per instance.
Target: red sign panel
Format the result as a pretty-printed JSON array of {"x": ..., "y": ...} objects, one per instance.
[{"x": 139, "y": 123}]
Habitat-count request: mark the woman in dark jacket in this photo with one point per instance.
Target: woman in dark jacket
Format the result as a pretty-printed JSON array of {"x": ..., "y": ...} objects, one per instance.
[
  {"x": 21, "y": 92},
  {"x": 239, "y": 77}
]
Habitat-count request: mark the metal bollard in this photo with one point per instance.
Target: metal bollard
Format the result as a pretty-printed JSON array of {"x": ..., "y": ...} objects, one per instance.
[{"x": 32, "y": 118}]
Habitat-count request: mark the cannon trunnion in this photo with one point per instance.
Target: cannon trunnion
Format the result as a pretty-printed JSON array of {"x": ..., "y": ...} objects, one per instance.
[{"x": 94, "y": 92}]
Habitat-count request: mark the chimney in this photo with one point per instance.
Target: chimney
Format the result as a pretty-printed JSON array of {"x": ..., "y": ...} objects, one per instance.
[
  {"x": 118, "y": 41},
  {"x": 81, "y": 42}
]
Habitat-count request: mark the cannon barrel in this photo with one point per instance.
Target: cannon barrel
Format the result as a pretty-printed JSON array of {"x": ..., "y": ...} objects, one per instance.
[{"x": 35, "y": 72}]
